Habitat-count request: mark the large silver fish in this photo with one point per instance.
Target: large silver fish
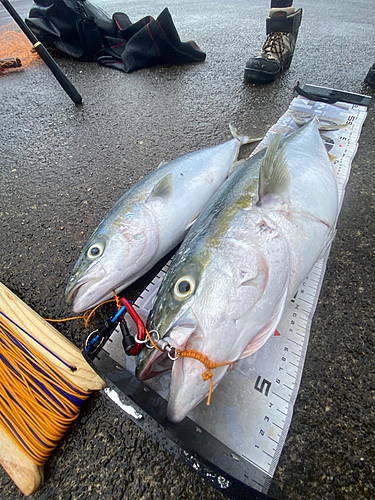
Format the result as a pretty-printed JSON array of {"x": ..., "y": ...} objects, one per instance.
[
  {"x": 148, "y": 221},
  {"x": 247, "y": 253}
]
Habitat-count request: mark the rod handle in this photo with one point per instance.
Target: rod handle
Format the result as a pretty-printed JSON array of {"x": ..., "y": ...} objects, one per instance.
[{"x": 44, "y": 54}]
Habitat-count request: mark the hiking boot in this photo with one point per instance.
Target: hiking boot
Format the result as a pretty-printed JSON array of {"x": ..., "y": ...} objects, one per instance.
[
  {"x": 370, "y": 77},
  {"x": 277, "y": 52}
]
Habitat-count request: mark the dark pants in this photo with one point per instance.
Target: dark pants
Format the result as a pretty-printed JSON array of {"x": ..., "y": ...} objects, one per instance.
[{"x": 281, "y": 4}]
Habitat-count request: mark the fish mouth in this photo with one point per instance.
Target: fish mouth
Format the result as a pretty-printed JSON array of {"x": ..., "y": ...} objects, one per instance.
[
  {"x": 71, "y": 292},
  {"x": 78, "y": 292},
  {"x": 177, "y": 336},
  {"x": 156, "y": 363}
]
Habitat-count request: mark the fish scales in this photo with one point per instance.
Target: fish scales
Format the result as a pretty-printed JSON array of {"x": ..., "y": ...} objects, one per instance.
[{"x": 249, "y": 250}]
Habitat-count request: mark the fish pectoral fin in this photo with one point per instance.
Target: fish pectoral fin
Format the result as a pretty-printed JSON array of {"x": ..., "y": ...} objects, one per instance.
[
  {"x": 274, "y": 174},
  {"x": 249, "y": 276},
  {"x": 268, "y": 330},
  {"x": 163, "y": 189}
]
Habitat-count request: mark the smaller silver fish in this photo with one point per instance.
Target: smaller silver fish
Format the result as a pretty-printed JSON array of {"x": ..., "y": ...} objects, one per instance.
[
  {"x": 325, "y": 123},
  {"x": 148, "y": 221}
]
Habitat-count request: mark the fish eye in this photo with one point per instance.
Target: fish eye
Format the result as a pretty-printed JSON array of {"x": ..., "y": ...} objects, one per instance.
[
  {"x": 184, "y": 287},
  {"x": 95, "y": 251}
]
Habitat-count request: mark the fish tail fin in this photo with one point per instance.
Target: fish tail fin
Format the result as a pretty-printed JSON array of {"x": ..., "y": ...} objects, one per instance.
[
  {"x": 274, "y": 175},
  {"x": 234, "y": 131},
  {"x": 244, "y": 139}
]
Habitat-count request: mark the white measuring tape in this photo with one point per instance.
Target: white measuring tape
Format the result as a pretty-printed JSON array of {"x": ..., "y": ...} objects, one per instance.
[{"x": 252, "y": 407}]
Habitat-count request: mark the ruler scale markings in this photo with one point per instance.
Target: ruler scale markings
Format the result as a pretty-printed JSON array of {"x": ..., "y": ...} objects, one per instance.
[
  {"x": 294, "y": 342},
  {"x": 306, "y": 301},
  {"x": 303, "y": 315},
  {"x": 278, "y": 395},
  {"x": 274, "y": 440},
  {"x": 285, "y": 414},
  {"x": 265, "y": 452},
  {"x": 290, "y": 388},
  {"x": 277, "y": 425},
  {"x": 253, "y": 463}
]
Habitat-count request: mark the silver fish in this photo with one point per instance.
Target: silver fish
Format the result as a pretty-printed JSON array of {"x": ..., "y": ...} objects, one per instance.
[
  {"x": 325, "y": 123},
  {"x": 148, "y": 221},
  {"x": 247, "y": 253}
]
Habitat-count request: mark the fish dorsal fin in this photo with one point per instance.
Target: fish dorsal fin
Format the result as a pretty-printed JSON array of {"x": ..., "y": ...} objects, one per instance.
[
  {"x": 162, "y": 163},
  {"x": 163, "y": 189},
  {"x": 274, "y": 175},
  {"x": 191, "y": 223}
]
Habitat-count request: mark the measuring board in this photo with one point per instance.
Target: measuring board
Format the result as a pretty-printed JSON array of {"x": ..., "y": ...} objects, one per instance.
[{"x": 238, "y": 439}]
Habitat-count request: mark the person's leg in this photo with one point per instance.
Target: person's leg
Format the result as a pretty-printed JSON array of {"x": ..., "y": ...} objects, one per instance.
[
  {"x": 282, "y": 30},
  {"x": 370, "y": 77}
]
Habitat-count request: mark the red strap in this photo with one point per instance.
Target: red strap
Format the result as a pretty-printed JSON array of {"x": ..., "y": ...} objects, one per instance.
[{"x": 140, "y": 326}]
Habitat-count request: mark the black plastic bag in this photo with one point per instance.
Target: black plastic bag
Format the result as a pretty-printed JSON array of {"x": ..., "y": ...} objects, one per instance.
[
  {"x": 146, "y": 43},
  {"x": 74, "y": 27},
  {"x": 85, "y": 32}
]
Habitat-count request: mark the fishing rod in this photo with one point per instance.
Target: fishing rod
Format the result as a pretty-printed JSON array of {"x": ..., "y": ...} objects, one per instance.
[{"x": 44, "y": 54}]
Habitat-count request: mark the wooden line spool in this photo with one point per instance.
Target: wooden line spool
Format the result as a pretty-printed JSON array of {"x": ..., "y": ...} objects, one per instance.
[{"x": 27, "y": 475}]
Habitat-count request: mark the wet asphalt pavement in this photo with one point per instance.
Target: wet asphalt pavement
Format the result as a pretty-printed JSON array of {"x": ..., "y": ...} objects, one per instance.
[{"x": 63, "y": 166}]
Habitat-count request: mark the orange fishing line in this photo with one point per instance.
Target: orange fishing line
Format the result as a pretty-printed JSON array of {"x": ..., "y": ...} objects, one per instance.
[
  {"x": 35, "y": 408},
  {"x": 209, "y": 365},
  {"x": 13, "y": 43},
  {"x": 86, "y": 315},
  {"x": 152, "y": 342}
]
